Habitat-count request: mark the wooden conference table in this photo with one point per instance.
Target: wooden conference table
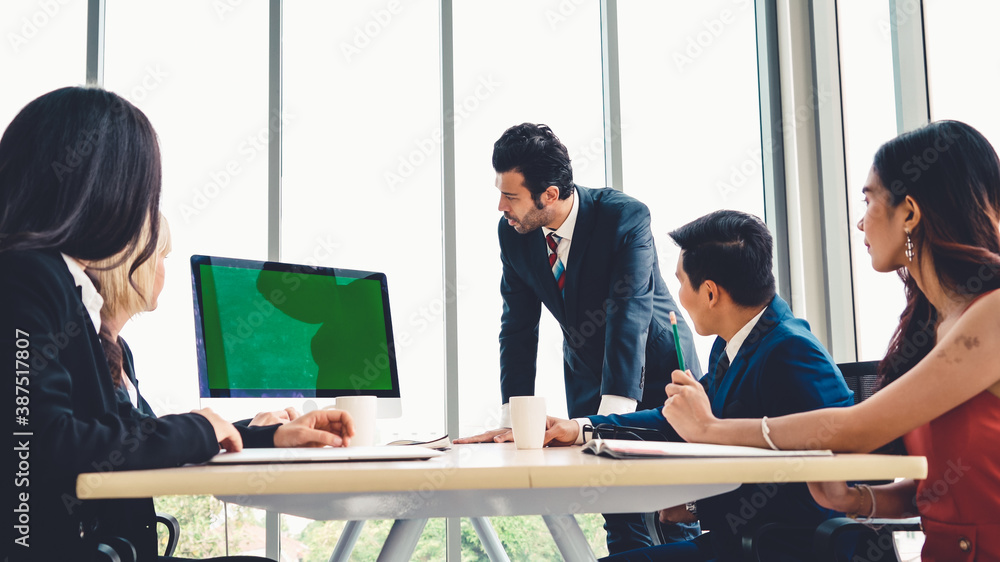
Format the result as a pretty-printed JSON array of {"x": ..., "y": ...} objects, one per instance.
[{"x": 483, "y": 480}]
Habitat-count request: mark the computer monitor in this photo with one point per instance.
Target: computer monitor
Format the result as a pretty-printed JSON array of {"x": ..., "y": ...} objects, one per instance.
[{"x": 296, "y": 334}]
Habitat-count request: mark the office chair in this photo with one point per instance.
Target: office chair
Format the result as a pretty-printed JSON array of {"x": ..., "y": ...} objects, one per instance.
[
  {"x": 874, "y": 540},
  {"x": 118, "y": 549}
]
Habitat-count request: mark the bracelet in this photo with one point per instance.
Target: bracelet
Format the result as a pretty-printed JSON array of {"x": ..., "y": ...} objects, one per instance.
[
  {"x": 861, "y": 503},
  {"x": 871, "y": 493},
  {"x": 766, "y": 431}
]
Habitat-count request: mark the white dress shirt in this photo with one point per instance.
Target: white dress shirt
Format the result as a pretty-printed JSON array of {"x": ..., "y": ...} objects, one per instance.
[{"x": 92, "y": 300}]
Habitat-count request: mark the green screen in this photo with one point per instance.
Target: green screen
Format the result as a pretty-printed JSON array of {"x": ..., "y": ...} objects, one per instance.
[{"x": 292, "y": 331}]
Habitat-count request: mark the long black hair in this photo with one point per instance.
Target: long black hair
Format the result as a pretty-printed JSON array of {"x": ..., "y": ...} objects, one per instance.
[
  {"x": 79, "y": 173},
  {"x": 953, "y": 173}
]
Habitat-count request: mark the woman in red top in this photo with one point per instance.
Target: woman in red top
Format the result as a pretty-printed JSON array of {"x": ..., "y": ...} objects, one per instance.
[{"x": 933, "y": 198}]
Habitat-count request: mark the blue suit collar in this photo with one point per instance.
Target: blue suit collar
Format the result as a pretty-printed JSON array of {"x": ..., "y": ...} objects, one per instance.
[{"x": 775, "y": 313}]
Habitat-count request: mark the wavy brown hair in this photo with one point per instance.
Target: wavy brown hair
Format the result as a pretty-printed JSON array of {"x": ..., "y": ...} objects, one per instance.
[{"x": 953, "y": 174}]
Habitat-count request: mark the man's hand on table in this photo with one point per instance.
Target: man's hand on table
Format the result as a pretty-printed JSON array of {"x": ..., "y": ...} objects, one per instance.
[
  {"x": 316, "y": 429},
  {"x": 560, "y": 432},
  {"x": 501, "y": 435}
]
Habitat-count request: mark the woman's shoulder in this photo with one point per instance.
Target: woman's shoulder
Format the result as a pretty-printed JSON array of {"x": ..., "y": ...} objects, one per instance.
[
  {"x": 19, "y": 262},
  {"x": 990, "y": 300},
  {"x": 34, "y": 277}
]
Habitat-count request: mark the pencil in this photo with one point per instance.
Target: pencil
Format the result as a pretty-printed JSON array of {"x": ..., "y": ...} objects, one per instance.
[{"x": 677, "y": 341}]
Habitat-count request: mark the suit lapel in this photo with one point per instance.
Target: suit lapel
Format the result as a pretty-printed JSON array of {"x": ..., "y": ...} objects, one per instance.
[
  {"x": 585, "y": 218},
  {"x": 767, "y": 322}
]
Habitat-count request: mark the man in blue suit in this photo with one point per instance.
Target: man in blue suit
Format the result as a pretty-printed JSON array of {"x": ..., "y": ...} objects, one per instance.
[
  {"x": 765, "y": 362},
  {"x": 588, "y": 256}
]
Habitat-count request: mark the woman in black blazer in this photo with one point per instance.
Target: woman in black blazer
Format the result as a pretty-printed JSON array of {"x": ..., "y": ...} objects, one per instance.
[{"x": 79, "y": 180}]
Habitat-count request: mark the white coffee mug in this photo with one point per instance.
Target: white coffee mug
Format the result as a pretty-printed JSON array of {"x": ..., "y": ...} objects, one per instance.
[
  {"x": 527, "y": 420},
  {"x": 362, "y": 410}
]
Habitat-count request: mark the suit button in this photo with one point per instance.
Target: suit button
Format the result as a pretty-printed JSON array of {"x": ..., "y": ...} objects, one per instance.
[
  {"x": 82, "y": 533},
  {"x": 964, "y": 545}
]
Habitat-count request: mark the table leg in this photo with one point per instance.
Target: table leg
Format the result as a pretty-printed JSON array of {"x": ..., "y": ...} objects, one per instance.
[
  {"x": 488, "y": 536},
  {"x": 272, "y": 534},
  {"x": 402, "y": 540},
  {"x": 569, "y": 538},
  {"x": 345, "y": 545}
]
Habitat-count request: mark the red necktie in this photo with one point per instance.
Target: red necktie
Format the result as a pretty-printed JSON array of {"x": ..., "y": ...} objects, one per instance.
[{"x": 558, "y": 269}]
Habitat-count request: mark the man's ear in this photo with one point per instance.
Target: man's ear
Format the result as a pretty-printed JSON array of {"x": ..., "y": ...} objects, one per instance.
[
  {"x": 551, "y": 195},
  {"x": 913, "y": 214},
  {"x": 711, "y": 290}
]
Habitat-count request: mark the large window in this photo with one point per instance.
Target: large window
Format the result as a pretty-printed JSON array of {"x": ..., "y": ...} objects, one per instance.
[
  {"x": 963, "y": 62},
  {"x": 690, "y": 116},
  {"x": 199, "y": 76},
  {"x": 44, "y": 48},
  {"x": 869, "y": 120},
  {"x": 362, "y": 172},
  {"x": 515, "y": 62}
]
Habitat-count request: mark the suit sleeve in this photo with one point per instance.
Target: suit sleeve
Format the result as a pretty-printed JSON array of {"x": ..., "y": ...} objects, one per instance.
[
  {"x": 256, "y": 436},
  {"x": 799, "y": 376},
  {"x": 518, "y": 332},
  {"x": 629, "y": 306},
  {"x": 646, "y": 419},
  {"x": 63, "y": 440}
]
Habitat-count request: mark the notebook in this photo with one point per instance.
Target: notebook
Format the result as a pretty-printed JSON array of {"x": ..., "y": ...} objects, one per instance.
[{"x": 325, "y": 454}]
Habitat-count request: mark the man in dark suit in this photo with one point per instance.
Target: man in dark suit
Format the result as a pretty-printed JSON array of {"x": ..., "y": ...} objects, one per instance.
[
  {"x": 765, "y": 362},
  {"x": 588, "y": 256}
]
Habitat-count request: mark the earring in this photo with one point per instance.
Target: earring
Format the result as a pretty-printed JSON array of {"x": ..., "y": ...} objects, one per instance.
[{"x": 909, "y": 246}]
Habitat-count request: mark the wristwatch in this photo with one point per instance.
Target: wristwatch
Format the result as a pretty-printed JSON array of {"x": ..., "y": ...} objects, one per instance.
[{"x": 692, "y": 508}]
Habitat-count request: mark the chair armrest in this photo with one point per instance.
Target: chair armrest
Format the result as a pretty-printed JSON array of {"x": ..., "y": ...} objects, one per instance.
[
  {"x": 116, "y": 549},
  {"x": 173, "y": 531},
  {"x": 830, "y": 530}
]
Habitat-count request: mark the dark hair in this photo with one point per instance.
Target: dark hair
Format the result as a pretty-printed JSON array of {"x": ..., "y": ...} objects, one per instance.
[
  {"x": 79, "y": 173},
  {"x": 535, "y": 152},
  {"x": 734, "y": 250},
  {"x": 953, "y": 174}
]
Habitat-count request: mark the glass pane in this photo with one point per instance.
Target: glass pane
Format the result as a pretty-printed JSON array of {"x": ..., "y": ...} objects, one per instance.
[
  {"x": 45, "y": 48},
  {"x": 963, "y": 62},
  {"x": 200, "y": 75},
  {"x": 515, "y": 62},
  {"x": 362, "y": 174},
  {"x": 690, "y": 116},
  {"x": 869, "y": 120}
]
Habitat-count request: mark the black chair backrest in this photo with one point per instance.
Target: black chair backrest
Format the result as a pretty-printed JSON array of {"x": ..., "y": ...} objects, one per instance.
[{"x": 860, "y": 378}]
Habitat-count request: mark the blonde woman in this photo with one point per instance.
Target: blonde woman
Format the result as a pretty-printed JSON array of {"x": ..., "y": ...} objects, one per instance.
[{"x": 123, "y": 300}]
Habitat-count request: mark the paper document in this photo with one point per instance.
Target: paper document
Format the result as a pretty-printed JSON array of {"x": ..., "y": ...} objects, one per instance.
[{"x": 627, "y": 449}]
